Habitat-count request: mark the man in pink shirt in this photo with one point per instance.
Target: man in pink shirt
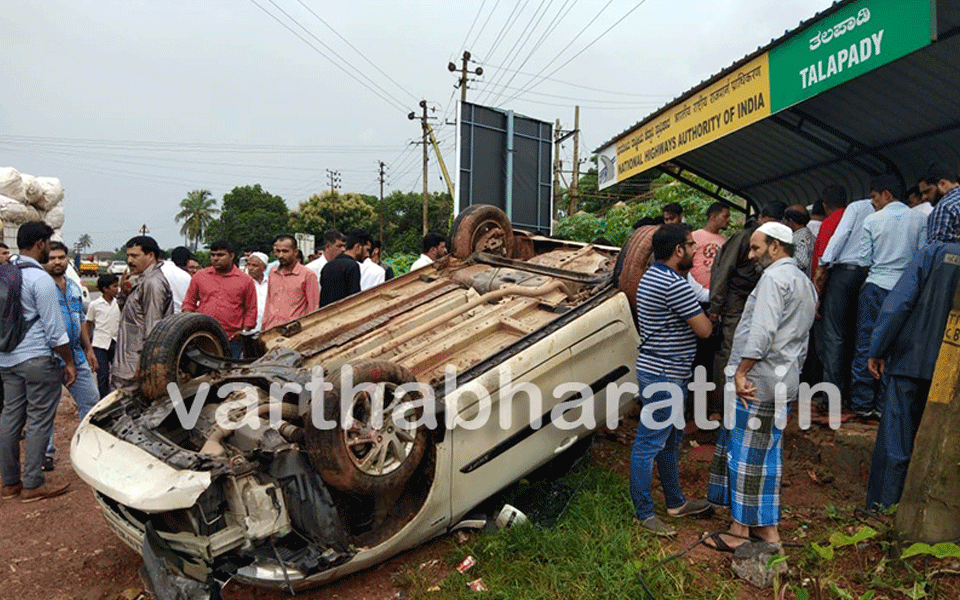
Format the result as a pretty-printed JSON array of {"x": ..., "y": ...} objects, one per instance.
[
  {"x": 293, "y": 289},
  {"x": 225, "y": 293},
  {"x": 709, "y": 242}
]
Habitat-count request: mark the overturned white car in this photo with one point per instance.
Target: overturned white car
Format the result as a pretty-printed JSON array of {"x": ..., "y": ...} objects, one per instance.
[{"x": 293, "y": 470}]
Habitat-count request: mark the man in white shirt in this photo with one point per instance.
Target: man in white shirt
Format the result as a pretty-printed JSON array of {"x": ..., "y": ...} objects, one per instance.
[
  {"x": 256, "y": 269},
  {"x": 434, "y": 248},
  {"x": 334, "y": 243},
  {"x": 175, "y": 271},
  {"x": 371, "y": 274}
]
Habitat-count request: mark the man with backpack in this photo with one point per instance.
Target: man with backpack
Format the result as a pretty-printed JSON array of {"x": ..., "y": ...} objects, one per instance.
[{"x": 32, "y": 330}]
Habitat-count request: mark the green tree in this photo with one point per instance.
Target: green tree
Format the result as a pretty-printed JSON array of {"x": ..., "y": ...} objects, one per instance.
[
  {"x": 197, "y": 211},
  {"x": 251, "y": 217},
  {"x": 616, "y": 223},
  {"x": 403, "y": 220},
  {"x": 343, "y": 212},
  {"x": 84, "y": 242}
]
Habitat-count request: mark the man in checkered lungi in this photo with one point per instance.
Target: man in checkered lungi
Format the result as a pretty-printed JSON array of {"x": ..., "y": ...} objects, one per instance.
[{"x": 769, "y": 347}]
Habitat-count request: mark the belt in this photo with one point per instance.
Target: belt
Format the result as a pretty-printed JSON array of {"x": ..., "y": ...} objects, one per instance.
[{"x": 847, "y": 267}]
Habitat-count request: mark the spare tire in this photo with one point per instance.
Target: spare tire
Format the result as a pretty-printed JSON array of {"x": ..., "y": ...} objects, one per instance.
[
  {"x": 481, "y": 227},
  {"x": 366, "y": 458},
  {"x": 632, "y": 262},
  {"x": 163, "y": 359}
]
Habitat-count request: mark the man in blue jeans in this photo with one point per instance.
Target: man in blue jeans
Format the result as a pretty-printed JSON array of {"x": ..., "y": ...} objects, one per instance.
[
  {"x": 904, "y": 348},
  {"x": 84, "y": 387},
  {"x": 891, "y": 237},
  {"x": 31, "y": 375},
  {"x": 670, "y": 320}
]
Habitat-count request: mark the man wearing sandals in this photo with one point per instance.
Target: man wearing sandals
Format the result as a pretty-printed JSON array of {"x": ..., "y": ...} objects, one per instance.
[
  {"x": 769, "y": 347},
  {"x": 670, "y": 320}
]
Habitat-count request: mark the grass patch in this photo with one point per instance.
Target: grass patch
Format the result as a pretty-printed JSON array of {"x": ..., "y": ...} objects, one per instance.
[{"x": 596, "y": 552}]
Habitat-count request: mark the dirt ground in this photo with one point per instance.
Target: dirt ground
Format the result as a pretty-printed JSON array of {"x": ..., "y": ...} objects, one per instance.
[{"x": 62, "y": 549}]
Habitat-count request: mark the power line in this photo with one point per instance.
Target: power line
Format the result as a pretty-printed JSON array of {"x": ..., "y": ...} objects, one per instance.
[
  {"x": 546, "y": 32},
  {"x": 585, "y": 48},
  {"x": 596, "y": 100},
  {"x": 193, "y": 146},
  {"x": 484, "y": 26},
  {"x": 322, "y": 43},
  {"x": 575, "y": 38},
  {"x": 347, "y": 42},
  {"x": 507, "y": 25},
  {"x": 477, "y": 16},
  {"x": 581, "y": 86},
  {"x": 522, "y": 38},
  {"x": 386, "y": 98}
]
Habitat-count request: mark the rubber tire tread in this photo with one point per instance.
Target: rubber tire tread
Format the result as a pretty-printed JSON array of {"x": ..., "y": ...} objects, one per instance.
[
  {"x": 467, "y": 223},
  {"x": 158, "y": 359},
  {"x": 632, "y": 263},
  {"x": 328, "y": 453}
]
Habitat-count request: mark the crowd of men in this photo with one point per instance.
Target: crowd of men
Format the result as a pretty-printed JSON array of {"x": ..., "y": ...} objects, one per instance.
[
  {"x": 94, "y": 352},
  {"x": 855, "y": 295}
]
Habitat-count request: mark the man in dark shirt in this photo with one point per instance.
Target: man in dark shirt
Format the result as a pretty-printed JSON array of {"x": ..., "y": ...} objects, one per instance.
[
  {"x": 341, "y": 276},
  {"x": 904, "y": 348}
]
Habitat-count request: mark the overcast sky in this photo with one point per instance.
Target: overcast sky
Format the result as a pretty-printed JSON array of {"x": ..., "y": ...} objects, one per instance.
[{"x": 134, "y": 103}]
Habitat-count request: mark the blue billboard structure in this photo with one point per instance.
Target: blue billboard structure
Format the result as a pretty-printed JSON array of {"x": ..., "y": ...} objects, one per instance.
[{"x": 505, "y": 159}]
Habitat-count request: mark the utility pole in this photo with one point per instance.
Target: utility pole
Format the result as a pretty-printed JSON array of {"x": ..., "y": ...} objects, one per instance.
[
  {"x": 463, "y": 74},
  {"x": 381, "y": 199},
  {"x": 574, "y": 181},
  {"x": 144, "y": 230},
  {"x": 424, "y": 141},
  {"x": 556, "y": 169},
  {"x": 334, "y": 177}
]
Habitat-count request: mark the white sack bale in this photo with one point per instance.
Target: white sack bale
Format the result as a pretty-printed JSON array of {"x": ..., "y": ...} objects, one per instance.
[
  {"x": 11, "y": 185},
  {"x": 54, "y": 217},
  {"x": 31, "y": 189},
  {"x": 16, "y": 213},
  {"x": 52, "y": 192},
  {"x": 57, "y": 236}
]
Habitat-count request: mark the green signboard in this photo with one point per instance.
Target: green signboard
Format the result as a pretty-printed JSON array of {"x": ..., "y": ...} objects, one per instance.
[{"x": 850, "y": 42}]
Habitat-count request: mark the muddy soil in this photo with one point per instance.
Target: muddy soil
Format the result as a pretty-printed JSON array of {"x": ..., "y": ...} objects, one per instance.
[{"x": 61, "y": 549}]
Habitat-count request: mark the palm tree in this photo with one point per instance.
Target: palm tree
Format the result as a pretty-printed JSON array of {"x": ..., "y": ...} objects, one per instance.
[
  {"x": 84, "y": 242},
  {"x": 198, "y": 209}
]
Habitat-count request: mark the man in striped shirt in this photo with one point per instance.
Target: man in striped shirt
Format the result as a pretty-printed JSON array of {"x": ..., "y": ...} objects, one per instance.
[{"x": 670, "y": 320}]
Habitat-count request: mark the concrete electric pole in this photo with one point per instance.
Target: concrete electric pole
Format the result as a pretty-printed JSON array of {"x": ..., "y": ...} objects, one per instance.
[
  {"x": 463, "y": 74},
  {"x": 574, "y": 181},
  {"x": 382, "y": 166},
  {"x": 556, "y": 170},
  {"x": 334, "y": 177},
  {"x": 424, "y": 141}
]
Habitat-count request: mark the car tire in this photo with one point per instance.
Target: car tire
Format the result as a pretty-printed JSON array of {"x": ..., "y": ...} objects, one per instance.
[
  {"x": 363, "y": 459},
  {"x": 481, "y": 227},
  {"x": 632, "y": 262},
  {"x": 163, "y": 358}
]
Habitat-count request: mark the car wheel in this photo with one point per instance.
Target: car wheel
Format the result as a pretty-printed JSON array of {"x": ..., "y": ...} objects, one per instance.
[
  {"x": 481, "y": 227},
  {"x": 372, "y": 455},
  {"x": 164, "y": 357},
  {"x": 632, "y": 262}
]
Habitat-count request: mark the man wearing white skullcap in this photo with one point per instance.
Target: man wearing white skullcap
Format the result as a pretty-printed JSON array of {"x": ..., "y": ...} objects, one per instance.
[
  {"x": 769, "y": 347},
  {"x": 256, "y": 265}
]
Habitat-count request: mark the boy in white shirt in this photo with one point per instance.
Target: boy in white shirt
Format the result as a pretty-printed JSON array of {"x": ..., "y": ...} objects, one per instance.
[{"x": 103, "y": 321}]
